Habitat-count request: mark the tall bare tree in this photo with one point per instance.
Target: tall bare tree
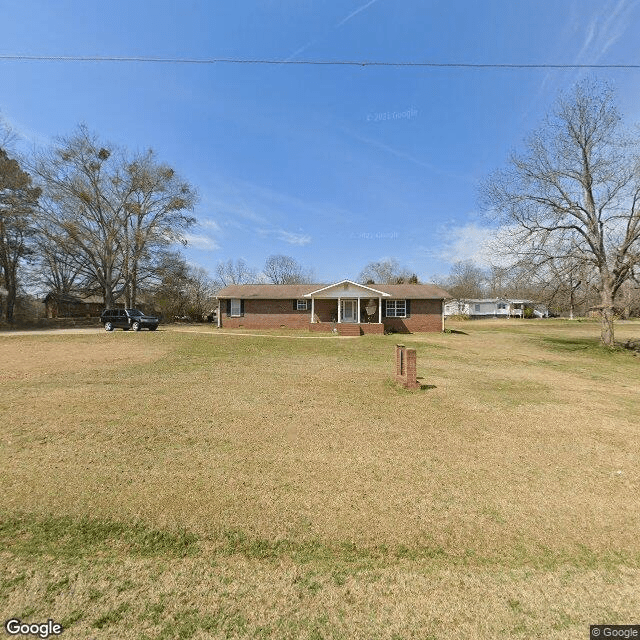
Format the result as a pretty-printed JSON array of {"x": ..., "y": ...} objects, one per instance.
[
  {"x": 18, "y": 199},
  {"x": 84, "y": 207},
  {"x": 281, "y": 269},
  {"x": 108, "y": 212},
  {"x": 231, "y": 272},
  {"x": 575, "y": 191},
  {"x": 157, "y": 214}
]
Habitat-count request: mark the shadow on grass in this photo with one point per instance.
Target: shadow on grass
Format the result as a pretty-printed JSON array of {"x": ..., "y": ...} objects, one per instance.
[{"x": 425, "y": 387}]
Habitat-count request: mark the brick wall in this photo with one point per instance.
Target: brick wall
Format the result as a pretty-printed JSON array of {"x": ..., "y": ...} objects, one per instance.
[
  {"x": 425, "y": 316},
  {"x": 326, "y": 310},
  {"x": 267, "y": 314}
]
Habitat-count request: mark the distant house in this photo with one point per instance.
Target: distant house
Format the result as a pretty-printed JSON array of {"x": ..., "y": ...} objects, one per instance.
[
  {"x": 494, "y": 308},
  {"x": 65, "y": 305},
  {"x": 346, "y": 306}
]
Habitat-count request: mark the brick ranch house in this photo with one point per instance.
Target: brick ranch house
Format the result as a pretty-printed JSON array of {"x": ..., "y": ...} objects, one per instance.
[{"x": 348, "y": 307}]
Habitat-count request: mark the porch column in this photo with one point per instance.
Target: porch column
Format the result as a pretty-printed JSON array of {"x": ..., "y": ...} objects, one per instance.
[
  {"x": 312, "y": 310},
  {"x": 379, "y": 310},
  {"x": 339, "y": 305},
  {"x": 358, "y": 320}
]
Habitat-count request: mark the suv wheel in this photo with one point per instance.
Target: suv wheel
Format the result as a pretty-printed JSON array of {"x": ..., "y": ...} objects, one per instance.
[
  {"x": 136, "y": 326},
  {"x": 108, "y": 326}
]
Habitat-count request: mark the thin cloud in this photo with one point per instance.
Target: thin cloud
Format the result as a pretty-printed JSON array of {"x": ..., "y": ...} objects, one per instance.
[
  {"x": 337, "y": 25},
  {"x": 404, "y": 156},
  {"x": 200, "y": 241},
  {"x": 395, "y": 152},
  {"x": 592, "y": 36},
  {"x": 238, "y": 203},
  {"x": 298, "y": 239},
  {"x": 208, "y": 223},
  {"x": 356, "y": 12},
  {"x": 604, "y": 30},
  {"x": 465, "y": 242}
]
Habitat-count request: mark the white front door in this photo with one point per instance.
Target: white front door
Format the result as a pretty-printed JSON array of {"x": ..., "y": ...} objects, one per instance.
[{"x": 348, "y": 311}]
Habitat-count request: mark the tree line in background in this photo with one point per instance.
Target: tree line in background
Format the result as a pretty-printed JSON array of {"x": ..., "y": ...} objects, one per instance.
[
  {"x": 88, "y": 217},
  {"x": 566, "y": 290}
]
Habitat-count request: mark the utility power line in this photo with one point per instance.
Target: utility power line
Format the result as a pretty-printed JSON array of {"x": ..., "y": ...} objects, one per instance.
[{"x": 348, "y": 63}]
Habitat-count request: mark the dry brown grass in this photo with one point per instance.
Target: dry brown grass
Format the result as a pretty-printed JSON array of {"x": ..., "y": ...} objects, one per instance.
[{"x": 501, "y": 501}]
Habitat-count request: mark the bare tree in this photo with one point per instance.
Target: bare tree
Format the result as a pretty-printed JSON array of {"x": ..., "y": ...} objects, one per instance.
[
  {"x": 231, "y": 272},
  {"x": 567, "y": 285},
  {"x": 386, "y": 272},
  {"x": 169, "y": 291},
  {"x": 57, "y": 271},
  {"x": 466, "y": 280},
  {"x": 18, "y": 199},
  {"x": 109, "y": 213},
  {"x": 575, "y": 192},
  {"x": 181, "y": 290},
  {"x": 8, "y": 136},
  {"x": 200, "y": 293},
  {"x": 156, "y": 216},
  {"x": 281, "y": 269},
  {"x": 84, "y": 207}
]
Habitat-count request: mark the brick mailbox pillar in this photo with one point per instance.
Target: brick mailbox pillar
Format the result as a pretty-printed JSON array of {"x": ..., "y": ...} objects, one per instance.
[{"x": 406, "y": 367}]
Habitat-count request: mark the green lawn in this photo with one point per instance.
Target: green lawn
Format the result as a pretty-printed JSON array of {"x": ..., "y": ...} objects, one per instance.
[{"x": 195, "y": 484}]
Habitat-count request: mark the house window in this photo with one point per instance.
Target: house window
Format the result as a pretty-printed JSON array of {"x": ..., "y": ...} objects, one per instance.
[
  {"x": 236, "y": 307},
  {"x": 478, "y": 308},
  {"x": 502, "y": 305},
  {"x": 396, "y": 308},
  {"x": 301, "y": 305}
]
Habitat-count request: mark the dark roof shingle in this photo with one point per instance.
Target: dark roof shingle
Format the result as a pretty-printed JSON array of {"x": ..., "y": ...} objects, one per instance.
[{"x": 295, "y": 291}]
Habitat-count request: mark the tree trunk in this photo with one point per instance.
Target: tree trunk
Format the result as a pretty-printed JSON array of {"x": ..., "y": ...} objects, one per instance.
[
  {"x": 134, "y": 285},
  {"x": 11, "y": 286},
  {"x": 606, "y": 331},
  {"x": 108, "y": 298},
  {"x": 11, "y": 303}
]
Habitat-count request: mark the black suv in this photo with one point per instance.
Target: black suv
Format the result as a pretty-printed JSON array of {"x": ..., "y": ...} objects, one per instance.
[{"x": 128, "y": 319}]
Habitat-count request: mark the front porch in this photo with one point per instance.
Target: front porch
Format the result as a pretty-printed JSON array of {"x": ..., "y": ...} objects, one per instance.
[{"x": 349, "y": 307}]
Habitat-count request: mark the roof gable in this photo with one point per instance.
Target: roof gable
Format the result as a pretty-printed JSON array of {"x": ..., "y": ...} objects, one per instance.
[{"x": 345, "y": 289}]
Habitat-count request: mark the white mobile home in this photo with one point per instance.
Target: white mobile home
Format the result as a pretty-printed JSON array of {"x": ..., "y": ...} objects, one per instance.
[{"x": 491, "y": 308}]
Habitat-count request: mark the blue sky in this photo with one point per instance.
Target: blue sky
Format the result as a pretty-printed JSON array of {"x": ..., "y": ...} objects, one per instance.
[{"x": 336, "y": 166}]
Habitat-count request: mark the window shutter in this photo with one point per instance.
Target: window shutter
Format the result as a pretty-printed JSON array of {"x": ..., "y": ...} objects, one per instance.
[
  {"x": 295, "y": 305},
  {"x": 383, "y": 302},
  {"x": 241, "y": 307},
  {"x": 228, "y": 308},
  {"x": 408, "y": 307}
]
